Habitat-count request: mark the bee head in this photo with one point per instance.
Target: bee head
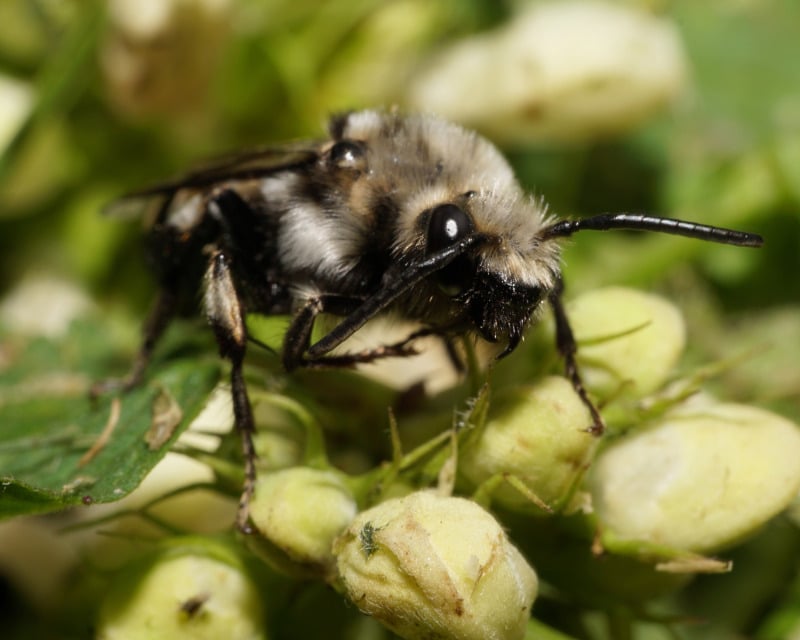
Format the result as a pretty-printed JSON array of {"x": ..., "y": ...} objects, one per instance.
[
  {"x": 499, "y": 282},
  {"x": 464, "y": 238}
]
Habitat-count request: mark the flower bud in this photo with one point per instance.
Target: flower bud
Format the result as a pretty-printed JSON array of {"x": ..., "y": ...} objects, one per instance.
[
  {"x": 626, "y": 336},
  {"x": 699, "y": 479},
  {"x": 537, "y": 433},
  {"x": 298, "y": 512},
  {"x": 430, "y": 566},
  {"x": 18, "y": 100},
  {"x": 559, "y": 71},
  {"x": 192, "y": 592},
  {"x": 42, "y": 305}
]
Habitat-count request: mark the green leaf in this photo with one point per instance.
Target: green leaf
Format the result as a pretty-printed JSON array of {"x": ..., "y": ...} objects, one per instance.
[{"x": 59, "y": 448}]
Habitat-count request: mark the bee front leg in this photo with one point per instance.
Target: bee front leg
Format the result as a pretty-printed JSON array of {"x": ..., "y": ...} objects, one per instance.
[
  {"x": 568, "y": 348},
  {"x": 297, "y": 341},
  {"x": 297, "y": 348},
  {"x": 358, "y": 311},
  {"x": 224, "y": 309}
]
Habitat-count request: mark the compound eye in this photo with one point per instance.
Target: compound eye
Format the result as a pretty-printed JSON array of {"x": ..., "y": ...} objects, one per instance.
[
  {"x": 447, "y": 225},
  {"x": 347, "y": 154}
]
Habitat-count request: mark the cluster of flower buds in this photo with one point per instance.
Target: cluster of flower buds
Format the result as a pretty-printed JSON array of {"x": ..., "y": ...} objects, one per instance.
[{"x": 678, "y": 475}]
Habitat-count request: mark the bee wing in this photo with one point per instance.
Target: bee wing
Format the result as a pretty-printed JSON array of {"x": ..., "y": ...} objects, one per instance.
[{"x": 247, "y": 165}]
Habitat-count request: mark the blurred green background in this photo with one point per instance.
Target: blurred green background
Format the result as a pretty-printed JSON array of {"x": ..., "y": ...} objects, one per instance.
[
  {"x": 98, "y": 98},
  {"x": 101, "y": 97}
]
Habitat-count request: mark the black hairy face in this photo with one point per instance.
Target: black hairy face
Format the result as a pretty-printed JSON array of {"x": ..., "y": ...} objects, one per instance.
[{"x": 500, "y": 310}]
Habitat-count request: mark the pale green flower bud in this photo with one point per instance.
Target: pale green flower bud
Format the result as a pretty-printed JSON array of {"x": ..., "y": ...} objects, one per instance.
[
  {"x": 194, "y": 593},
  {"x": 430, "y": 566},
  {"x": 700, "y": 479},
  {"x": 537, "y": 433},
  {"x": 626, "y": 336},
  {"x": 17, "y": 100},
  {"x": 42, "y": 304},
  {"x": 299, "y": 512},
  {"x": 559, "y": 70}
]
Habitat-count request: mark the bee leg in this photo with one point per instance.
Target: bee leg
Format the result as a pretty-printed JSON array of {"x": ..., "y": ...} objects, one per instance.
[
  {"x": 298, "y": 337},
  {"x": 567, "y": 347},
  {"x": 400, "y": 349},
  {"x": 405, "y": 348},
  {"x": 157, "y": 321},
  {"x": 225, "y": 312}
]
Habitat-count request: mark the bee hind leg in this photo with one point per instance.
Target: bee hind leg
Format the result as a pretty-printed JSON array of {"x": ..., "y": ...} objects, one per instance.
[
  {"x": 158, "y": 320},
  {"x": 224, "y": 309}
]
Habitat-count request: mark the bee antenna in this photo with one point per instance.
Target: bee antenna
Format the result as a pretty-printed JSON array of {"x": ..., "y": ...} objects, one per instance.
[{"x": 645, "y": 222}]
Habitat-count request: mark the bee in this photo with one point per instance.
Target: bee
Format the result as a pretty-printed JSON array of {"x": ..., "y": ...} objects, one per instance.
[{"x": 393, "y": 214}]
